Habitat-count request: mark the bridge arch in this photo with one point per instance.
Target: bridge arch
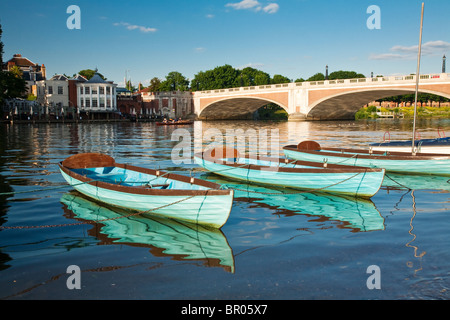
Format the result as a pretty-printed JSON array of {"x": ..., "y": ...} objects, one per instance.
[
  {"x": 241, "y": 107},
  {"x": 344, "y": 105}
]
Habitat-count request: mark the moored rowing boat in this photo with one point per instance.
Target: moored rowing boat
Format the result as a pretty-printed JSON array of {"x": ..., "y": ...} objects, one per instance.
[
  {"x": 99, "y": 177},
  {"x": 400, "y": 162},
  {"x": 310, "y": 176}
]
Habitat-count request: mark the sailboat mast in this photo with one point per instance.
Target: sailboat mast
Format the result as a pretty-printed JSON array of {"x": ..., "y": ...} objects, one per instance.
[{"x": 417, "y": 79}]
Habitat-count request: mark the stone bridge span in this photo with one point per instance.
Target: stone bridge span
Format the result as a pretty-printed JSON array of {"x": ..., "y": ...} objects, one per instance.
[{"x": 318, "y": 100}]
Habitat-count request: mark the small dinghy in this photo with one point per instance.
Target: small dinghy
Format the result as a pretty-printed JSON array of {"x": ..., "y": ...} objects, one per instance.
[
  {"x": 309, "y": 176},
  {"x": 436, "y": 145},
  {"x": 99, "y": 177},
  {"x": 400, "y": 162}
]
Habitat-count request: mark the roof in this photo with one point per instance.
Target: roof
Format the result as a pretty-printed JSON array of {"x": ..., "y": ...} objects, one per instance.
[
  {"x": 79, "y": 77},
  {"x": 122, "y": 90},
  {"x": 96, "y": 79},
  {"x": 21, "y": 61},
  {"x": 59, "y": 77}
]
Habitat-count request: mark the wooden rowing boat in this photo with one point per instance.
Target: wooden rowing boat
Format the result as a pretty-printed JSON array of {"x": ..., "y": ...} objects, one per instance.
[
  {"x": 310, "y": 176},
  {"x": 400, "y": 162},
  {"x": 99, "y": 177}
]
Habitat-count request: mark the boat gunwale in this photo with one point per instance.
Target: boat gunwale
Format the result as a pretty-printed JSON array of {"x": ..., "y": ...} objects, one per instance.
[
  {"x": 214, "y": 191},
  {"x": 316, "y": 166},
  {"x": 370, "y": 154}
]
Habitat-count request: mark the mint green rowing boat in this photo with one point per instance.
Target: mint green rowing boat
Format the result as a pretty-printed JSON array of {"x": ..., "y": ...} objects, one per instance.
[
  {"x": 152, "y": 192},
  {"x": 309, "y": 176},
  {"x": 400, "y": 162}
]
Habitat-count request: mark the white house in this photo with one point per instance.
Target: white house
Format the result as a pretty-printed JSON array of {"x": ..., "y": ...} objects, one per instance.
[
  {"x": 96, "y": 95},
  {"x": 53, "y": 94}
]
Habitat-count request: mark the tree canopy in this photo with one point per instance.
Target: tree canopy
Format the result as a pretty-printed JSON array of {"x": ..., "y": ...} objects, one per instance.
[
  {"x": 174, "y": 81},
  {"x": 345, "y": 75},
  {"x": 226, "y": 76},
  {"x": 155, "y": 83},
  {"x": 89, "y": 73}
]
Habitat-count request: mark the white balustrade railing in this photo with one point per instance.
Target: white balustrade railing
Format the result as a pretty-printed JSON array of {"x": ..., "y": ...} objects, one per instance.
[{"x": 428, "y": 78}]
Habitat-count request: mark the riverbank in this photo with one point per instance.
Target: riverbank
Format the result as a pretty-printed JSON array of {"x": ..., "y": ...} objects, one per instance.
[
  {"x": 75, "y": 121},
  {"x": 373, "y": 112}
]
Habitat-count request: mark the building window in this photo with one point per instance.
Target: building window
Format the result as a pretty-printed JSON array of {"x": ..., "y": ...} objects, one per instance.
[
  {"x": 86, "y": 90},
  {"x": 102, "y": 90},
  {"x": 94, "y": 103},
  {"x": 94, "y": 90},
  {"x": 88, "y": 103},
  {"x": 60, "y": 90},
  {"x": 108, "y": 90},
  {"x": 50, "y": 90}
]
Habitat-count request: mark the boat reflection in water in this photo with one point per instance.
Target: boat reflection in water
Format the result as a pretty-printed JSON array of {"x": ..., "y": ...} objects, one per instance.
[
  {"x": 164, "y": 236},
  {"x": 416, "y": 182},
  {"x": 359, "y": 214}
]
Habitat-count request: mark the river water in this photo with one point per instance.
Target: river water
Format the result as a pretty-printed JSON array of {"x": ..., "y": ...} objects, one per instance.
[{"x": 283, "y": 247}]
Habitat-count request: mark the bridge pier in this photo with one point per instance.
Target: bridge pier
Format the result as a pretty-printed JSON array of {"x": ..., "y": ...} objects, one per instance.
[{"x": 297, "y": 116}]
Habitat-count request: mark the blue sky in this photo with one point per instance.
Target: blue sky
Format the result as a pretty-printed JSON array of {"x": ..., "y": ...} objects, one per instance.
[{"x": 294, "y": 38}]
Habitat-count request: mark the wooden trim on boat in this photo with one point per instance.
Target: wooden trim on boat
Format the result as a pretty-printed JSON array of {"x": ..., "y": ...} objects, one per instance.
[
  {"x": 367, "y": 154},
  {"x": 214, "y": 188}
]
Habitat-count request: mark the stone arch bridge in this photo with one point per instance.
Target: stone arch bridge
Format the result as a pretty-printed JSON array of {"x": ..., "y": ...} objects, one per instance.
[{"x": 318, "y": 100}]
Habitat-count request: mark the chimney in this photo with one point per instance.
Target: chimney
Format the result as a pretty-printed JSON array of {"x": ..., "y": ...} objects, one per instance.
[{"x": 44, "y": 72}]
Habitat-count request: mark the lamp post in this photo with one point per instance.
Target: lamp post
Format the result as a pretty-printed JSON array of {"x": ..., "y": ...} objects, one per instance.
[{"x": 443, "y": 63}]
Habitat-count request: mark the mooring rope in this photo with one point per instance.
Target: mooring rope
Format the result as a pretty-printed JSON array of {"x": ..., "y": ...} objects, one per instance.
[
  {"x": 96, "y": 221},
  {"x": 146, "y": 182}
]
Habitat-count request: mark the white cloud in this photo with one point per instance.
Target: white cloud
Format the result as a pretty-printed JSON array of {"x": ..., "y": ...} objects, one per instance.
[
  {"x": 200, "y": 49},
  {"x": 245, "y": 4},
  {"x": 254, "y": 5},
  {"x": 135, "y": 27},
  {"x": 386, "y": 56},
  {"x": 210, "y": 16},
  {"x": 410, "y": 52},
  {"x": 271, "y": 8}
]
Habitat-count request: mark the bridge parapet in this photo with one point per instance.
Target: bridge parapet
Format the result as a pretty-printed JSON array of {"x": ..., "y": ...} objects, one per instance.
[{"x": 424, "y": 78}]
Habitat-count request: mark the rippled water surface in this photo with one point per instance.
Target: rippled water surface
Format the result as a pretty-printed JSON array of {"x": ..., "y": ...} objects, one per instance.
[{"x": 292, "y": 246}]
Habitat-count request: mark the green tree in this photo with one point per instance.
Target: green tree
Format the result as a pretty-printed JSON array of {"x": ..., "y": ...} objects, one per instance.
[
  {"x": 345, "y": 75},
  {"x": 11, "y": 86},
  {"x": 16, "y": 71},
  {"x": 219, "y": 78},
  {"x": 225, "y": 77},
  {"x": 277, "y": 78},
  {"x": 253, "y": 77},
  {"x": 89, "y": 73},
  {"x": 174, "y": 81},
  {"x": 155, "y": 83},
  {"x": 317, "y": 77},
  {"x": 204, "y": 80}
]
